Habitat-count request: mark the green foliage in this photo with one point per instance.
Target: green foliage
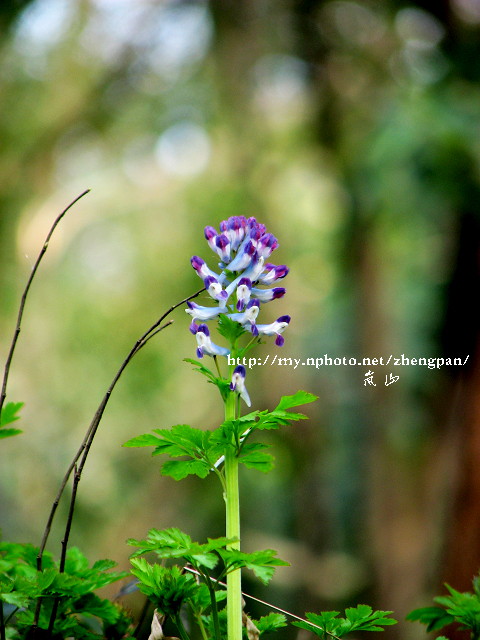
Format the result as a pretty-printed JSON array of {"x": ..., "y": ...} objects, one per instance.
[
  {"x": 167, "y": 587},
  {"x": 200, "y": 449},
  {"x": 173, "y": 543},
  {"x": 7, "y": 416},
  {"x": 81, "y": 613},
  {"x": 359, "y": 618},
  {"x": 253, "y": 456},
  {"x": 461, "y": 608},
  {"x": 229, "y": 329},
  {"x": 270, "y": 622},
  {"x": 182, "y": 440},
  {"x": 262, "y": 563}
]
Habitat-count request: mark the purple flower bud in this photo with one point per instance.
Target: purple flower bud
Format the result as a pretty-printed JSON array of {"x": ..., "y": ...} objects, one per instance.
[
  {"x": 273, "y": 273},
  {"x": 203, "y": 271},
  {"x": 266, "y": 295},
  {"x": 193, "y": 327},
  {"x": 203, "y": 328},
  {"x": 210, "y": 235},
  {"x": 223, "y": 247},
  {"x": 238, "y": 383},
  {"x": 266, "y": 245}
]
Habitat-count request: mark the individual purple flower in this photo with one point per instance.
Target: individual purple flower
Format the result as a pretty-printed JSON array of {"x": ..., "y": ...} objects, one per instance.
[
  {"x": 275, "y": 328},
  {"x": 243, "y": 293},
  {"x": 222, "y": 247},
  {"x": 214, "y": 289},
  {"x": 238, "y": 384},
  {"x": 266, "y": 295},
  {"x": 273, "y": 273},
  {"x": 249, "y": 316},
  {"x": 266, "y": 245},
  {"x": 210, "y": 237},
  {"x": 243, "y": 258},
  {"x": 203, "y": 313},
  {"x": 203, "y": 271},
  {"x": 206, "y": 346}
]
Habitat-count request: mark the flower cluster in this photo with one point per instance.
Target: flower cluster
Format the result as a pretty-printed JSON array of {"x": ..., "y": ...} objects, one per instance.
[{"x": 242, "y": 285}]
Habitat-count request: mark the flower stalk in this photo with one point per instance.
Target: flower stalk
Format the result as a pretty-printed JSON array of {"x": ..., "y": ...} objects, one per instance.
[{"x": 232, "y": 500}]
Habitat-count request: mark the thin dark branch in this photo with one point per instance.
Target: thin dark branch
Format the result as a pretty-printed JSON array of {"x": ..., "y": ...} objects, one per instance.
[
  {"x": 23, "y": 300},
  {"x": 87, "y": 443}
]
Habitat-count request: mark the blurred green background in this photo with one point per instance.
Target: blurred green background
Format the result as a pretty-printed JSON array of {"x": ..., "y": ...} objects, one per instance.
[{"x": 351, "y": 129}]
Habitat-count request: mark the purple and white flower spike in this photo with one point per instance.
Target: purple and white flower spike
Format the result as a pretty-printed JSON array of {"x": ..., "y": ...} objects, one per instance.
[
  {"x": 238, "y": 384},
  {"x": 243, "y": 245}
]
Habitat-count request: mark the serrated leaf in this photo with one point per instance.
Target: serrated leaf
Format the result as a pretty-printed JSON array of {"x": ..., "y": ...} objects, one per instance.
[
  {"x": 297, "y": 399},
  {"x": 262, "y": 563},
  {"x": 229, "y": 329},
  {"x": 201, "y": 368},
  {"x": 253, "y": 456},
  {"x": 433, "y": 617},
  {"x": 179, "y": 469},
  {"x": 271, "y": 622},
  {"x": 145, "y": 440},
  {"x": 9, "y": 413},
  {"x": 15, "y": 598}
]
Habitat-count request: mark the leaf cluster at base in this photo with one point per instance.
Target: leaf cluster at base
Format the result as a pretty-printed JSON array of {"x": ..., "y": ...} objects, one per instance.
[{"x": 81, "y": 613}]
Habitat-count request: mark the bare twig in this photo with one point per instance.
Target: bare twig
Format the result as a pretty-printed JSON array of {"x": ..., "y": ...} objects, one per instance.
[
  {"x": 23, "y": 300},
  {"x": 86, "y": 444}
]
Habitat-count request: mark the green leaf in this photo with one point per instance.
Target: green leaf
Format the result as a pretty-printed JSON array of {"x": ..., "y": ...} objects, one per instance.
[
  {"x": 167, "y": 587},
  {"x": 262, "y": 563},
  {"x": 9, "y": 413},
  {"x": 180, "y": 469},
  {"x": 174, "y": 543},
  {"x": 229, "y": 329},
  {"x": 254, "y": 457},
  {"x": 433, "y": 617},
  {"x": 145, "y": 440},
  {"x": 201, "y": 368},
  {"x": 270, "y": 622},
  {"x": 8, "y": 433},
  {"x": 360, "y": 618},
  {"x": 298, "y": 398}
]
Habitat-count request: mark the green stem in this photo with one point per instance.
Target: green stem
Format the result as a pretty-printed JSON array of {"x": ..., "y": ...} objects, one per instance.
[
  {"x": 232, "y": 499},
  {"x": 213, "y": 599},
  {"x": 201, "y": 626},
  {"x": 181, "y": 629}
]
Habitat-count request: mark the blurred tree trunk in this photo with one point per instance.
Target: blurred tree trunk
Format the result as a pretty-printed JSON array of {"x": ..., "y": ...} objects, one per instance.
[{"x": 461, "y": 338}]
